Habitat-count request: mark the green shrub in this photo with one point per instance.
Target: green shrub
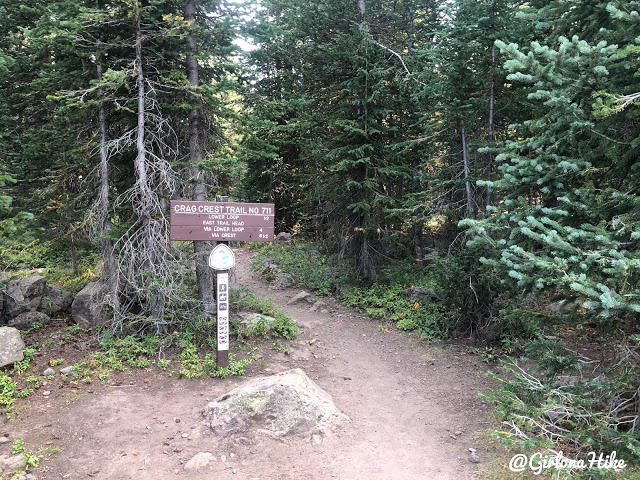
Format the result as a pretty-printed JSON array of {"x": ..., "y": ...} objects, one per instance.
[
  {"x": 387, "y": 303},
  {"x": 309, "y": 264}
]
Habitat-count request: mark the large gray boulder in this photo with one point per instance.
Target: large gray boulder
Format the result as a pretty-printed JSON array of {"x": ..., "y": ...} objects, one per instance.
[
  {"x": 284, "y": 405},
  {"x": 256, "y": 322},
  {"x": 23, "y": 295},
  {"x": 88, "y": 308},
  {"x": 27, "y": 320},
  {"x": 55, "y": 301},
  {"x": 11, "y": 346}
]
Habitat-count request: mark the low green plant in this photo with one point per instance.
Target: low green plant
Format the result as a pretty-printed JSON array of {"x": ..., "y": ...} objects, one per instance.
[
  {"x": 133, "y": 350},
  {"x": 164, "y": 364},
  {"x": 31, "y": 460},
  {"x": 8, "y": 393},
  {"x": 282, "y": 347},
  {"x": 34, "y": 381},
  {"x": 284, "y": 326},
  {"x": 308, "y": 263},
  {"x": 17, "y": 446},
  {"x": 387, "y": 303},
  {"x": 25, "y": 364},
  {"x": 243, "y": 299},
  {"x": 192, "y": 366},
  {"x": 236, "y": 367}
]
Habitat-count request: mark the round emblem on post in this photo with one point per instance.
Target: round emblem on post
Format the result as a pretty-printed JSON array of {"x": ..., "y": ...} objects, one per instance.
[{"x": 222, "y": 258}]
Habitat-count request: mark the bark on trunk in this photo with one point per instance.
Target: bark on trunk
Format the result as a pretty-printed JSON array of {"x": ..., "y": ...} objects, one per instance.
[
  {"x": 491, "y": 125},
  {"x": 465, "y": 161},
  {"x": 104, "y": 222},
  {"x": 204, "y": 274}
]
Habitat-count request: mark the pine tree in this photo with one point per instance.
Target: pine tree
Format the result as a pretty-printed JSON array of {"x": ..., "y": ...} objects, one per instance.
[{"x": 569, "y": 219}]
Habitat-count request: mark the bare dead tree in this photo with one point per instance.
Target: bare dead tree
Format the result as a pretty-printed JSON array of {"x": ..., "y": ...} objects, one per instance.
[{"x": 148, "y": 267}]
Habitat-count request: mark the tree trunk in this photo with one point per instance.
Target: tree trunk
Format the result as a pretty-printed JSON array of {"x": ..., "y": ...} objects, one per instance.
[
  {"x": 491, "y": 124},
  {"x": 104, "y": 222},
  {"x": 145, "y": 200},
  {"x": 204, "y": 274},
  {"x": 465, "y": 161}
]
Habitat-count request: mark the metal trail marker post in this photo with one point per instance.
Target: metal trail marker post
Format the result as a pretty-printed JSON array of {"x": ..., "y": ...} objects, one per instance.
[
  {"x": 224, "y": 262},
  {"x": 222, "y": 259},
  {"x": 222, "y": 221}
]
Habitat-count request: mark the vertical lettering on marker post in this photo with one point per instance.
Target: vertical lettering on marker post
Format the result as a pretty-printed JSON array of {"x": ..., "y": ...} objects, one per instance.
[{"x": 223, "y": 312}]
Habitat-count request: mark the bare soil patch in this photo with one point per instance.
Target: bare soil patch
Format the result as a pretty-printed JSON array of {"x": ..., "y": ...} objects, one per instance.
[{"x": 414, "y": 407}]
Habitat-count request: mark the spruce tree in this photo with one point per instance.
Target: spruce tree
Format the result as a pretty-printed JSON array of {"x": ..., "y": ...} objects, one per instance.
[{"x": 568, "y": 221}]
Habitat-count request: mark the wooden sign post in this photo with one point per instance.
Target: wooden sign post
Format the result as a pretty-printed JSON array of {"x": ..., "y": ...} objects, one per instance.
[{"x": 222, "y": 221}]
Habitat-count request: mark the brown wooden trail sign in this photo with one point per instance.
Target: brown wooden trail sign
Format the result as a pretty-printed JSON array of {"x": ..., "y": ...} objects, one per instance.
[{"x": 222, "y": 222}]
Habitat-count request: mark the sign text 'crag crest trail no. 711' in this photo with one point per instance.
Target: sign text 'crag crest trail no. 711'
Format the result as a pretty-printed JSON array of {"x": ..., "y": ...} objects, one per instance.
[{"x": 222, "y": 222}]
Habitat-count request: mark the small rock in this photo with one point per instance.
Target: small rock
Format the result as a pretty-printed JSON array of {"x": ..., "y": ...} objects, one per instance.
[
  {"x": 324, "y": 311},
  {"x": 302, "y": 296},
  {"x": 453, "y": 436},
  {"x": 313, "y": 341},
  {"x": 282, "y": 280},
  {"x": 46, "y": 393},
  {"x": 49, "y": 372},
  {"x": 347, "y": 378},
  {"x": 458, "y": 432},
  {"x": 66, "y": 371},
  {"x": 199, "y": 460},
  {"x": 474, "y": 458},
  {"x": 4, "y": 440},
  {"x": 11, "y": 464},
  {"x": 472, "y": 450},
  {"x": 185, "y": 435},
  {"x": 283, "y": 238}
]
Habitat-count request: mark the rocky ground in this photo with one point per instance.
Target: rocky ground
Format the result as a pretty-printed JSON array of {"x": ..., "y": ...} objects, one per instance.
[{"x": 414, "y": 409}]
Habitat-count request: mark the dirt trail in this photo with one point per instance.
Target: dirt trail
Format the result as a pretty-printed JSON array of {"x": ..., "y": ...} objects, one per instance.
[{"x": 406, "y": 400}]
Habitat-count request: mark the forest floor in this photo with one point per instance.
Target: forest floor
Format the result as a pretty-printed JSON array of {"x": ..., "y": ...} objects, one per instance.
[{"x": 414, "y": 407}]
